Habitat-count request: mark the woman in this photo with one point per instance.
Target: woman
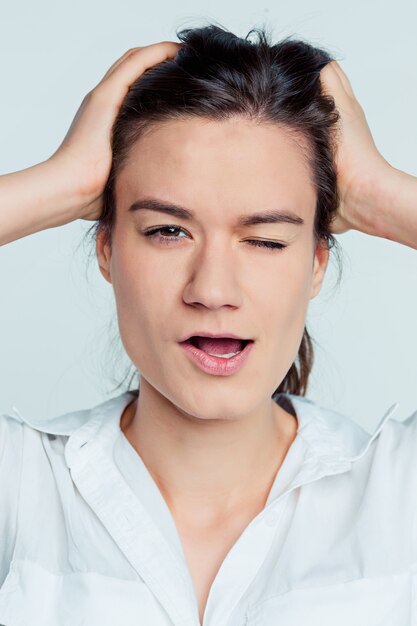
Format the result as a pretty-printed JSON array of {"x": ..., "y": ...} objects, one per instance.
[{"x": 219, "y": 494}]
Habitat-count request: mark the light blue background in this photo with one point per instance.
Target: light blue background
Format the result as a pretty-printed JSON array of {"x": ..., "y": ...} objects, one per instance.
[{"x": 58, "y": 329}]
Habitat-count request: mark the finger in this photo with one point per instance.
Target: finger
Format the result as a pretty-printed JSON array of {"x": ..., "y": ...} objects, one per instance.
[
  {"x": 132, "y": 51},
  {"x": 120, "y": 60},
  {"x": 331, "y": 80},
  {"x": 134, "y": 62},
  {"x": 332, "y": 85},
  {"x": 345, "y": 80}
]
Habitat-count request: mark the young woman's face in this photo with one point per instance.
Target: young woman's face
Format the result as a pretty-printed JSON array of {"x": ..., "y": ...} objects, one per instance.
[{"x": 205, "y": 273}]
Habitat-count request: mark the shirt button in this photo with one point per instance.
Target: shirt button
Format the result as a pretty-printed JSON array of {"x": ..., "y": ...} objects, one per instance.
[{"x": 271, "y": 518}]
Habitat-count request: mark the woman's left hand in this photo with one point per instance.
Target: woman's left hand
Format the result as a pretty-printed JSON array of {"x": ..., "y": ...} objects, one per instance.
[{"x": 360, "y": 166}]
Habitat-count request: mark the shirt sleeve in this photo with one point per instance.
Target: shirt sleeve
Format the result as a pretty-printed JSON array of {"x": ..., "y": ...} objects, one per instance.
[{"x": 11, "y": 442}]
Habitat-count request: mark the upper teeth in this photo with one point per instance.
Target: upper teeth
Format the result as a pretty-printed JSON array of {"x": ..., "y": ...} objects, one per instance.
[{"x": 224, "y": 356}]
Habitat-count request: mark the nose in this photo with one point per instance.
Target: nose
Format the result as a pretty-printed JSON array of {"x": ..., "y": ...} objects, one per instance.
[{"x": 214, "y": 278}]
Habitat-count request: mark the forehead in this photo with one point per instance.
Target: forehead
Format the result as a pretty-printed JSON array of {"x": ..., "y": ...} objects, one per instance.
[{"x": 231, "y": 164}]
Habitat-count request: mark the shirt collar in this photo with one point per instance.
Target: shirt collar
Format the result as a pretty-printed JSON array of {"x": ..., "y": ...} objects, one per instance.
[
  {"x": 331, "y": 437},
  {"x": 71, "y": 423}
]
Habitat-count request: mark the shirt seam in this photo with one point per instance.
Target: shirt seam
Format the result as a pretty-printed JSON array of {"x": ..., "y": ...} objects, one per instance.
[{"x": 253, "y": 610}]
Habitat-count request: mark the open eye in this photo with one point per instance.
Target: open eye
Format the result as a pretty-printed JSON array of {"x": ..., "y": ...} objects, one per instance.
[{"x": 152, "y": 232}]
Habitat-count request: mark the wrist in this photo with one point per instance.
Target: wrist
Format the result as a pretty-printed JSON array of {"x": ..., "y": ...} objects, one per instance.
[
  {"x": 54, "y": 193},
  {"x": 375, "y": 199},
  {"x": 71, "y": 197},
  {"x": 394, "y": 205},
  {"x": 34, "y": 199}
]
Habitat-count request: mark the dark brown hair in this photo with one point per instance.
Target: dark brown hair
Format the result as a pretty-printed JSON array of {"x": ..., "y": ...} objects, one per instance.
[{"x": 217, "y": 75}]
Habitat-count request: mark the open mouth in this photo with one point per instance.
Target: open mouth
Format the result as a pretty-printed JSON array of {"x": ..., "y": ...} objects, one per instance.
[
  {"x": 220, "y": 356},
  {"x": 223, "y": 347}
]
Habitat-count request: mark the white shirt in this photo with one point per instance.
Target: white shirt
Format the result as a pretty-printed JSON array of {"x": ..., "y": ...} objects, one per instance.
[{"x": 86, "y": 538}]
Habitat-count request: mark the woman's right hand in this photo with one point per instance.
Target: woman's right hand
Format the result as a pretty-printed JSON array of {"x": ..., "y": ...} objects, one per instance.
[{"x": 85, "y": 155}]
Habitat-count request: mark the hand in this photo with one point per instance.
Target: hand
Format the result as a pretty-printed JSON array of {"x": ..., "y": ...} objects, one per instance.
[
  {"x": 85, "y": 155},
  {"x": 361, "y": 169}
]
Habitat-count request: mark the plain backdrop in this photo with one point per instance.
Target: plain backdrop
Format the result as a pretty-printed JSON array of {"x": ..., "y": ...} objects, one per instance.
[{"x": 59, "y": 349}]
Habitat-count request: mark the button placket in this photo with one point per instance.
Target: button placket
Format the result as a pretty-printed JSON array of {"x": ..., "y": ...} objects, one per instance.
[{"x": 133, "y": 530}]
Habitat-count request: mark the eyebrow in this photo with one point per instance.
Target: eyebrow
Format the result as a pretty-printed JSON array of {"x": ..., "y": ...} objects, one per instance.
[{"x": 265, "y": 217}]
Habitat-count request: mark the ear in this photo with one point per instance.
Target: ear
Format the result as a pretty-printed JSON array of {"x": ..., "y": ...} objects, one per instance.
[
  {"x": 103, "y": 252},
  {"x": 321, "y": 258}
]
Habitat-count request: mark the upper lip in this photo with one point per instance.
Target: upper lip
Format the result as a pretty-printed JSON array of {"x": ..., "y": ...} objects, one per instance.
[{"x": 203, "y": 333}]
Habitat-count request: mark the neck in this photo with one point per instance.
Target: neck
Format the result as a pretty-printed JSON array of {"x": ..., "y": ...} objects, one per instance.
[{"x": 208, "y": 468}]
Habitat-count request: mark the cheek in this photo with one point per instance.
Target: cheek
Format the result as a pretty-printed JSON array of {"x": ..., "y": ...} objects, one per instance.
[
  {"x": 285, "y": 304},
  {"x": 297, "y": 285},
  {"x": 143, "y": 291},
  {"x": 286, "y": 288}
]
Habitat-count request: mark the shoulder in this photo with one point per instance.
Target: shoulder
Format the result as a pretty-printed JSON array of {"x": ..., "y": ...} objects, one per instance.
[
  {"x": 11, "y": 446},
  {"x": 402, "y": 428},
  {"x": 373, "y": 473},
  {"x": 12, "y": 438},
  {"x": 21, "y": 441},
  {"x": 337, "y": 436},
  {"x": 330, "y": 432},
  {"x": 10, "y": 423},
  {"x": 397, "y": 443},
  {"x": 386, "y": 461},
  {"x": 11, "y": 434},
  {"x": 34, "y": 474},
  {"x": 36, "y": 443}
]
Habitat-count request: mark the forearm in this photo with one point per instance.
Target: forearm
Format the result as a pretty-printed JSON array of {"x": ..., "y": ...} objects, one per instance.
[
  {"x": 393, "y": 202},
  {"x": 34, "y": 199}
]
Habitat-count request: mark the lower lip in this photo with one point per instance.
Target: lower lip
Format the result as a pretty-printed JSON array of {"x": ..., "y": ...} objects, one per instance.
[{"x": 214, "y": 364}]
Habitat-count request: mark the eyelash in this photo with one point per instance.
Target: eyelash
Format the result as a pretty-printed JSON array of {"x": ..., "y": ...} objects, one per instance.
[{"x": 269, "y": 245}]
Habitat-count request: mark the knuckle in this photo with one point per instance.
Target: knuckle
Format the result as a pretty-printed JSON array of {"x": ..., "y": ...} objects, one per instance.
[
  {"x": 88, "y": 96},
  {"x": 96, "y": 95}
]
